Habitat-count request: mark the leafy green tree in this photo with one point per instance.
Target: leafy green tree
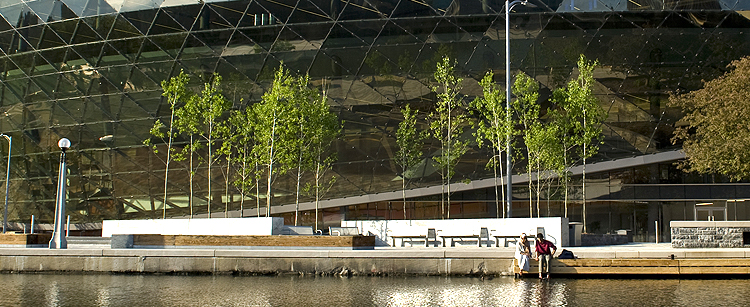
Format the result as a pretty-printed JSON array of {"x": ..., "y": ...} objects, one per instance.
[
  {"x": 526, "y": 107},
  {"x": 273, "y": 129},
  {"x": 324, "y": 127},
  {"x": 566, "y": 138},
  {"x": 186, "y": 127},
  {"x": 580, "y": 119},
  {"x": 587, "y": 117},
  {"x": 176, "y": 92},
  {"x": 494, "y": 128},
  {"x": 240, "y": 142},
  {"x": 307, "y": 120},
  {"x": 201, "y": 116},
  {"x": 716, "y": 134},
  {"x": 410, "y": 142},
  {"x": 447, "y": 124},
  {"x": 545, "y": 154}
]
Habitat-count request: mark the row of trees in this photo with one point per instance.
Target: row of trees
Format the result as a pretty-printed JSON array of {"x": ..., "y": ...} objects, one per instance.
[
  {"x": 289, "y": 130},
  {"x": 570, "y": 127}
]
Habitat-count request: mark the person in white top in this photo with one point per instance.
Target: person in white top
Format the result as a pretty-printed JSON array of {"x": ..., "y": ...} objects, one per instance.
[{"x": 523, "y": 252}]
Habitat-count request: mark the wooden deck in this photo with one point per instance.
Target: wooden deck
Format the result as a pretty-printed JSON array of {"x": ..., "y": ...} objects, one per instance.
[
  {"x": 25, "y": 239},
  {"x": 643, "y": 267}
]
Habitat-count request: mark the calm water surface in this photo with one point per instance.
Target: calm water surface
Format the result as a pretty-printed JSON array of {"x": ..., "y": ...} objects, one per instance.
[{"x": 127, "y": 290}]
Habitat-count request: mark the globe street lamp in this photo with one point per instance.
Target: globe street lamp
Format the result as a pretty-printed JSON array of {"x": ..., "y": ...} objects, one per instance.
[
  {"x": 7, "y": 181},
  {"x": 509, "y": 167},
  {"x": 58, "y": 236}
]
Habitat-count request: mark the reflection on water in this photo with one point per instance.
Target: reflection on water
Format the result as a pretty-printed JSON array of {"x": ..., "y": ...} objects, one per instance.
[{"x": 136, "y": 290}]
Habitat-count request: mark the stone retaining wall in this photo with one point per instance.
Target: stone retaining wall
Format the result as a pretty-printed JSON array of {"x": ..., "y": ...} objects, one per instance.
[
  {"x": 708, "y": 234},
  {"x": 249, "y": 262}
]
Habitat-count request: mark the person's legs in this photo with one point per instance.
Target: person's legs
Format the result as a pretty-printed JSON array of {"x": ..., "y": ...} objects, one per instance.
[
  {"x": 546, "y": 262},
  {"x": 541, "y": 265}
]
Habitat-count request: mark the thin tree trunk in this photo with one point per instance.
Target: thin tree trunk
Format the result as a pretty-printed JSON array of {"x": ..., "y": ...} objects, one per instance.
[
  {"x": 296, "y": 200},
  {"x": 190, "y": 201},
  {"x": 244, "y": 179},
  {"x": 166, "y": 169},
  {"x": 584, "y": 189},
  {"x": 403, "y": 192},
  {"x": 226, "y": 187},
  {"x": 565, "y": 177},
  {"x": 270, "y": 169},
  {"x": 210, "y": 164},
  {"x": 317, "y": 191},
  {"x": 450, "y": 146},
  {"x": 299, "y": 172},
  {"x": 583, "y": 182},
  {"x": 531, "y": 188},
  {"x": 538, "y": 186},
  {"x": 257, "y": 189}
]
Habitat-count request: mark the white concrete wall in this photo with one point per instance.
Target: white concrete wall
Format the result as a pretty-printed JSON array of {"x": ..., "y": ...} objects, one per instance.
[
  {"x": 214, "y": 226},
  {"x": 556, "y": 228}
]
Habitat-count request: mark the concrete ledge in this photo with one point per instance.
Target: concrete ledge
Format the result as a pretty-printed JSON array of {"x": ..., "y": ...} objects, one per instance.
[
  {"x": 482, "y": 254},
  {"x": 271, "y": 254},
  {"x": 158, "y": 252},
  {"x": 714, "y": 254},
  {"x": 394, "y": 253},
  {"x": 661, "y": 254},
  {"x": 596, "y": 254},
  {"x": 626, "y": 254},
  {"x": 709, "y": 224},
  {"x": 50, "y": 252}
]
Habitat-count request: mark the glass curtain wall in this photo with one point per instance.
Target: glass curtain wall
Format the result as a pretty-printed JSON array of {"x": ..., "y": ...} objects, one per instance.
[{"x": 91, "y": 71}]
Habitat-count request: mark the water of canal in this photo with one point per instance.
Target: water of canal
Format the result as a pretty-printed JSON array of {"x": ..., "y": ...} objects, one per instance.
[{"x": 139, "y": 290}]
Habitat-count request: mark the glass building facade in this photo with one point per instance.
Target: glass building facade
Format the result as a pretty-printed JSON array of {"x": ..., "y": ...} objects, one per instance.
[{"x": 90, "y": 71}]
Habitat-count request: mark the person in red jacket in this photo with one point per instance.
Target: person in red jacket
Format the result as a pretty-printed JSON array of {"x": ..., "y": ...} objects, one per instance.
[{"x": 544, "y": 252}]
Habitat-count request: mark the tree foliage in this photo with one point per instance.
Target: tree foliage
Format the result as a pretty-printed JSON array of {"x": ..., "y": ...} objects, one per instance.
[
  {"x": 323, "y": 127},
  {"x": 410, "y": 142},
  {"x": 526, "y": 108},
  {"x": 580, "y": 117},
  {"x": 201, "y": 116},
  {"x": 273, "y": 129},
  {"x": 176, "y": 93},
  {"x": 494, "y": 128},
  {"x": 447, "y": 124},
  {"x": 716, "y": 134}
]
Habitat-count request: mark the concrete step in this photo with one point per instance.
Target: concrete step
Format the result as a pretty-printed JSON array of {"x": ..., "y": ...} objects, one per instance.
[{"x": 89, "y": 241}]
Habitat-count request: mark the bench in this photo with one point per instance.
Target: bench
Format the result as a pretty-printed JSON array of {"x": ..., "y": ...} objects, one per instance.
[
  {"x": 297, "y": 230},
  {"x": 484, "y": 234},
  {"x": 452, "y": 239},
  {"x": 343, "y": 231},
  {"x": 513, "y": 238},
  {"x": 430, "y": 237},
  {"x": 506, "y": 239}
]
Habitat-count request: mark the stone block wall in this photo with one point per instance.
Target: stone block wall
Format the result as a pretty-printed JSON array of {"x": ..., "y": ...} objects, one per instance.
[{"x": 709, "y": 234}]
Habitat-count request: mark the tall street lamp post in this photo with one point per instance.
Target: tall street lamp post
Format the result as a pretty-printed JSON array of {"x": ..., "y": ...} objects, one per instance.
[
  {"x": 508, "y": 154},
  {"x": 7, "y": 181},
  {"x": 58, "y": 236}
]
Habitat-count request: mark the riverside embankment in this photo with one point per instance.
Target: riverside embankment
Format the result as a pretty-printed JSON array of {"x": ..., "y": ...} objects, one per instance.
[{"x": 631, "y": 259}]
